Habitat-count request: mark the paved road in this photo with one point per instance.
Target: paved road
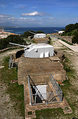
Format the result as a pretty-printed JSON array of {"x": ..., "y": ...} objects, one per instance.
[{"x": 74, "y": 48}]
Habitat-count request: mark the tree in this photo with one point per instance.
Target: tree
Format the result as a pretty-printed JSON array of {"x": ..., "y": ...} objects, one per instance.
[
  {"x": 4, "y": 43},
  {"x": 39, "y": 32},
  {"x": 28, "y": 33},
  {"x": 69, "y": 28},
  {"x": 76, "y": 26},
  {"x": 75, "y": 39}
]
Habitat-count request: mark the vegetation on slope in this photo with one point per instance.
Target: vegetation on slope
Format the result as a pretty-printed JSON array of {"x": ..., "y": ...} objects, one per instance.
[
  {"x": 30, "y": 33},
  {"x": 72, "y": 30},
  {"x": 75, "y": 39},
  {"x": 4, "y": 43},
  {"x": 39, "y": 32}
]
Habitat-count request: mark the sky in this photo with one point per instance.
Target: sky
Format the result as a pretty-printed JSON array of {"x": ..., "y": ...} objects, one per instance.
[{"x": 38, "y": 13}]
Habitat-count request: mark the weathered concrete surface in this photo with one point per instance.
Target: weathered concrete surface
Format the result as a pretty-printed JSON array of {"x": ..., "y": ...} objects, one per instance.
[
  {"x": 41, "y": 40},
  {"x": 35, "y": 66}
]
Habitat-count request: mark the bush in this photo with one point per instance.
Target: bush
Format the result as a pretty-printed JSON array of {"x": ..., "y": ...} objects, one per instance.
[
  {"x": 75, "y": 39},
  {"x": 30, "y": 33},
  {"x": 39, "y": 32},
  {"x": 27, "y": 33},
  {"x": 4, "y": 43},
  {"x": 71, "y": 27}
]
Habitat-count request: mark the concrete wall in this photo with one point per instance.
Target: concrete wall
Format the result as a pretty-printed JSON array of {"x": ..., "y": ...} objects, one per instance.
[
  {"x": 39, "y": 35},
  {"x": 67, "y": 38},
  {"x": 59, "y": 76}
]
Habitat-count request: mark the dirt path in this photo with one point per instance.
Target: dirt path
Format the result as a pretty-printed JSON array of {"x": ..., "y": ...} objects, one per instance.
[{"x": 6, "y": 105}]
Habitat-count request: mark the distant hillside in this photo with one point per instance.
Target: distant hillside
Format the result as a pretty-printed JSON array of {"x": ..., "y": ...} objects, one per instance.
[
  {"x": 8, "y": 24},
  {"x": 1, "y": 29}
]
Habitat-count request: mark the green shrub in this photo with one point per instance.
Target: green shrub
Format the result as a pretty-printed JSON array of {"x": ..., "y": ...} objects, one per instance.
[
  {"x": 27, "y": 33},
  {"x": 75, "y": 39},
  {"x": 39, "y": 32},
  {"x": 71, "y": 29},
  {"x": 4, "y": 43}
]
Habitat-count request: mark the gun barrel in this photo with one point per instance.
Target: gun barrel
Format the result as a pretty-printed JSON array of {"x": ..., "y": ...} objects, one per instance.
[
  {"x": 31, "y": 32},
  {"x": 17, "y": 44}
]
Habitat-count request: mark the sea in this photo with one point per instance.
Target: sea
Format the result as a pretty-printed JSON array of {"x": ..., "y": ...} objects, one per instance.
[{"x": 21, "y": 30}]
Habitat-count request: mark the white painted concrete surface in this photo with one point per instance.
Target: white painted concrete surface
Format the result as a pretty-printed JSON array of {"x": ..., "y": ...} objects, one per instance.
[
  {"x": 42, "y": 90},
  {"x": 40, "y": 35},
  {"x": 39, "y": 50}
]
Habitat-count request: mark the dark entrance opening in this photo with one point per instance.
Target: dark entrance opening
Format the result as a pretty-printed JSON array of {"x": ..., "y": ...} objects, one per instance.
[{"x": 19, "y": 53}]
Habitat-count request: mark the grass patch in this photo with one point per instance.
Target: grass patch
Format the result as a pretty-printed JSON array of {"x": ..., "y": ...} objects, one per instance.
[
  {"x": 47, "y": 113},
  {"x": 8, "y": 74},
  {"x": 50, "y": 41},
  {"x": 66, "y": 83},
  {"x": 17, "y": 95},
  {"x": 70, "y": 72},
  {"x": 71, "y": 105},
  {"x": 15, "y": 91},
  {"x": 30, "y": 113},
  {"x": 67, "y": 89}
]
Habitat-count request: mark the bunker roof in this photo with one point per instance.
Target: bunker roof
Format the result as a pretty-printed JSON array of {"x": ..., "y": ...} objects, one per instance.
[
  {"x": 40, "y": 45},
  {"x": 35, "y": 66},
  {"x": 40, "y": 34}
]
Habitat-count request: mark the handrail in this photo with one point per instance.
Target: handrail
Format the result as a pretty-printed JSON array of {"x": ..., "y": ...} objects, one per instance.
[
  {"x": 51, "y": 77},
  {"x": 36, "y": 88}
]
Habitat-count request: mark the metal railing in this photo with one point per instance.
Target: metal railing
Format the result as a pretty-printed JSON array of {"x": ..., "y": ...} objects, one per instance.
[
  {"x": 54, "y": 95},
  {"x": 38, "y": 92},
  {"x": 56, "y": 87}
]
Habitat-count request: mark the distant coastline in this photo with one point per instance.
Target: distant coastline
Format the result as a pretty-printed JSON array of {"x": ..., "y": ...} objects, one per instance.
[{"x": 21, "y": 30}]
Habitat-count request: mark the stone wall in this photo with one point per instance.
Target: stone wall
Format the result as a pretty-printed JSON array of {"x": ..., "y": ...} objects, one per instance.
[{"x": 67, "y": 38}]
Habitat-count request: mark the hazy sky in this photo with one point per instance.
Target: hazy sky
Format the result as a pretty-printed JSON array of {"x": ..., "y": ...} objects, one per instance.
[{"x": 45, "y": 13}]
